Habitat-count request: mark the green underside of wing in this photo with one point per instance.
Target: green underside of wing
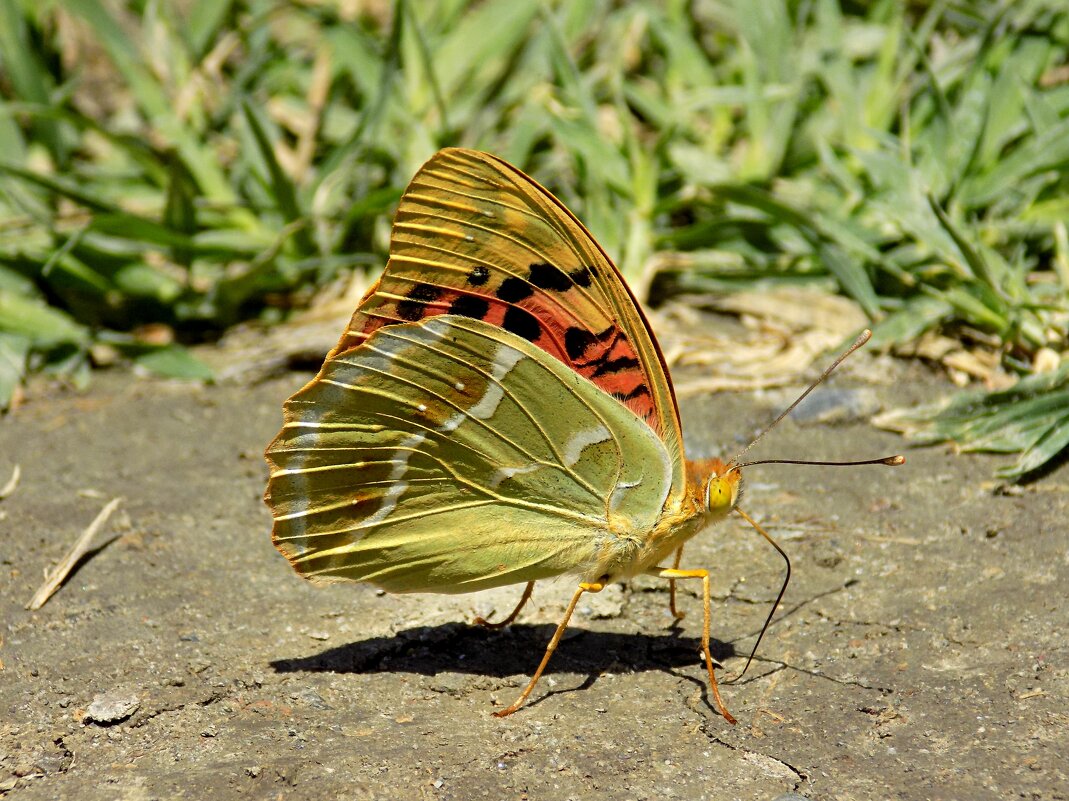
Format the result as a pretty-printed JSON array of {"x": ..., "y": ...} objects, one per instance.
[
  {"x": 456, "y": 552},
  {"x": 450, "y": 455}
]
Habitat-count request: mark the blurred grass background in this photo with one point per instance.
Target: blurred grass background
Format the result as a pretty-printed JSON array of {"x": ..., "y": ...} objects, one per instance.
[{"x": 169, "y": 169}]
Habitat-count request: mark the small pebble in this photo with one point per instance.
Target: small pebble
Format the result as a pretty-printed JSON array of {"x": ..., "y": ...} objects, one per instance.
[
  {"x": 111, "y": 708},
  {"x": 310, "y": 697}
]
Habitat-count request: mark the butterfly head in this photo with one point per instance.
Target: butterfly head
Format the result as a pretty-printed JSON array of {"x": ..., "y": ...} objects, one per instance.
[{"x": 720, "y": 485}]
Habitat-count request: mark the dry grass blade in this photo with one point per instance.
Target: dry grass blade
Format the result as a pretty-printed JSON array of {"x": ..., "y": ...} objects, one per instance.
[
  {"x": 12, "y": 483},
  {"x": 77, "y": 551},
  {"x": 784, "y": 331}
]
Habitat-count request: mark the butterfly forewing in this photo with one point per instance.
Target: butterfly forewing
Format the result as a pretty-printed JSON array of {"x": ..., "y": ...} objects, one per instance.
[
  {"x": 450, "y": 455},
  {"x": 475, "y": 237}
]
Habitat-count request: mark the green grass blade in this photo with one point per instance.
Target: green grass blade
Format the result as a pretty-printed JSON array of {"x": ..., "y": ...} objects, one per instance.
[
  {"x": 1031, "y": 417},
  {"x": 41, "y": 325},
  {"x": 63, "y": 187},
  {"x": 155, "y": 103},
  {"x": 279, "y": 184},
  {"x": 205, "y": 18},
  {"x": 14, "y": 352},
  {"x": 174, "y": 361},
  {"x": 908, "y": 323},
  {"x": 1050, "y": 445},
  {"x": 29, "y": 77}
]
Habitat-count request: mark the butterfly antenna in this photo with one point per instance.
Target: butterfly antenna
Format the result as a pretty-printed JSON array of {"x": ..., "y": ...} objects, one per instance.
[
  {"x": 783, "y": 589},
  {"x": 890, "y": 461},
  {"x": 862, "y": 338}
]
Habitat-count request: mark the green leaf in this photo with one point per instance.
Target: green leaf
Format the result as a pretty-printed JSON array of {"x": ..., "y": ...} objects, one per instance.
[
  {"x": 205, "y": 18},
  {"x": 977, "y": 264},
  {"x": 174, "y": 361},
  {"x": 180, "y": 213},
  {"x": 473, "y": 51},
  {"x": 280, "y": 185},
  {"x": 1047, "y": 150},
  {"x": 916, "y": 316},
  {"x": 29, "y": 76},
  {"x": 1031, "y": 417},
  {"x": 1052, "y": 443},
  {"x": 851, "y": 276},
  {"x": 14, "y": 350},
  {"x": 969, "y": 302},
  {"x": 63, "y": 187},
  {"x": 154, "y": 101},
  {"x": 141, "y": 280},
  {"x": 43, "y": 325}
]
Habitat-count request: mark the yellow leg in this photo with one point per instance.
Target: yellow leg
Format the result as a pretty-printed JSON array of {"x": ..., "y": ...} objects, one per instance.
[
  {"x": 584, "y": 587},
  {"x": 678, "y": 614},
  {"x": 479, "y": 621},
  {"x": 676, "y": 573}
]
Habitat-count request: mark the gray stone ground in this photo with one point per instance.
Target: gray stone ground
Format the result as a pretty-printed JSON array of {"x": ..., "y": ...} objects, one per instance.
[{"x": 920, "y": 652}]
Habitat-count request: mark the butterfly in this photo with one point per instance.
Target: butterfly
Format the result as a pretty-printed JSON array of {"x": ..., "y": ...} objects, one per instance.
[{"x": 497, "y": 412}]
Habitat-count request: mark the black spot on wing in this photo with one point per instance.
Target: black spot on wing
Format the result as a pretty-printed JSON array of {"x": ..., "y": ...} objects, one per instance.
[
  {"x": 478, "y": 276},
  {"x": 581, "y": 276},
  {"x": 547, "y": 276},
  {"x": 513, "y": 290},
  {"x": 470, "y": 306},
  {"x": 614, "y": 365},
  {"x": 411, "y": 308},
  {"x": 522, "y": 323},
  {"x": 576, "y": 341},
  {"x": 637, "y": 392}
]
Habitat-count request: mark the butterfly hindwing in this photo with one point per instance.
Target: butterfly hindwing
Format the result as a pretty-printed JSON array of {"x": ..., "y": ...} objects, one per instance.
[
  {"x": 451, "y": 455},
  {"x": 475, "y": 237}
]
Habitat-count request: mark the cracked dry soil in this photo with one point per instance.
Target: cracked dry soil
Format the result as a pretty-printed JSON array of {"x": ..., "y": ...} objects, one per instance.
[{"x": 920, "y": 652}]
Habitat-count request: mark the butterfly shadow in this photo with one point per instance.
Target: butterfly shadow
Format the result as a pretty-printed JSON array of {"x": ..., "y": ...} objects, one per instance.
[{"x": 462, "y": 648}]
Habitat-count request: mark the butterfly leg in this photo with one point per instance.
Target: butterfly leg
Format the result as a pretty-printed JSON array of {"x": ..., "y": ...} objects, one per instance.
[
  {"x": 583, "y": 587},
  {"x": 677, "y": 613},
  {"x": 480, "y": 621},
  {"x": 676, "y": 573}
]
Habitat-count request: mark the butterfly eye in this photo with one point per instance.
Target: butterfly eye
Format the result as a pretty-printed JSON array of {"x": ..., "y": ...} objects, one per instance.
[{"x": 721, "y": 493}]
